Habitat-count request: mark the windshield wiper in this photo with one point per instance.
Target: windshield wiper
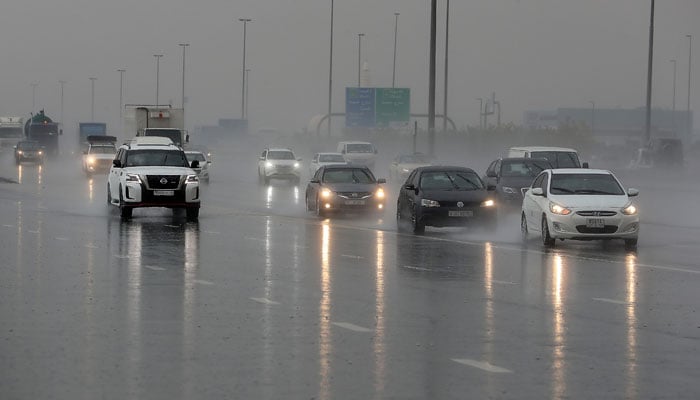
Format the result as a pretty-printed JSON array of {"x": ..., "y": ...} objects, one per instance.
[
  {"x": 561, "y": 189},
  {"x": 596, "y": 191}
]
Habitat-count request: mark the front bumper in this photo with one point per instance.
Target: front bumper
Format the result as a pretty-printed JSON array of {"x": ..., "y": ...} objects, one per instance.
[
  {"x": 337, "y": 203},
  {"x": 136, "y": 194},
  {"x": 575, "y": 226},
  {"x": 282, "y": 172},
  {"x": 458, "y": 216}
]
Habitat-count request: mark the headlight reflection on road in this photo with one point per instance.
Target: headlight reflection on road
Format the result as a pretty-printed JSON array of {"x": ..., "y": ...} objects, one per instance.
[
  {"x": 324, "y": 314},
  {"x": 378, "y": 343},
  {"x": 558, "y": 334},
  {"x": 91, "y": 189},
  {"x": 489, "y": 312},
  {"x": 632, "y": 357},
  {"x": 268, "y": 199}
]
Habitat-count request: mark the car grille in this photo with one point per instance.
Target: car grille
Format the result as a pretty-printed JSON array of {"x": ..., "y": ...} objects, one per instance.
[
  {"x": 355, "y": 195},
  {"x": 453, "y": 204},
  {"x": 596, "y": 213},
  {"x": 604, "y": 230},
  {"x": 154, "y": 181}
]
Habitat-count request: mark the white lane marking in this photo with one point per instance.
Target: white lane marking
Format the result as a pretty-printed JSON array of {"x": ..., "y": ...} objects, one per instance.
[
  {"x": 8, "y": 226},
  {"x": 171, "y": 226},
  {"x": 483, "y": 365},
  {"x": 212, "y": 232},
  {"x": 263, "y": 300},
  {"x": 351, "y": 256},
  {"x": 124, "y": 257},
  {"x": 416, "y": 268},
  {"x": 352, "y": 327},
  {"x": 503, "y": 282},
  {"x": 91, "y": 246},
  {"x": 203, "y": 282},
  {"x": 28, "y": 231},
  {"x": 611, "y": 301},
  {"x": 154, "y": 268},
  {"x": 254, "y": 238},
  {"x": 62, "y": 238}
]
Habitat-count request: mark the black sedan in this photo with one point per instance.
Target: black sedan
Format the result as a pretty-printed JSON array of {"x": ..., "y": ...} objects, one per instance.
[
  {"x": 445, "y": 196},
  {"x": 29, "y": 150},
  {"x": 510, "y": 175},
  {"x": 345, "y": 188}
]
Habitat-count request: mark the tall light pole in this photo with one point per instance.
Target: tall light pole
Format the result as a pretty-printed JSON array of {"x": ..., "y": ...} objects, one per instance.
[
  {"x": 62, "y": 83},
  {"x": 158, "y": 57},
  {"x": 396, "y": 31},
  {"x": 592, "y": 118},
  {"x": 647, "y": 126},
  {"x": 447, "y": 50},
  {"x": 481, "y": 112},
  {"x": 121, "y": 96},
  {"x": 34, "y": 85},
  {"x": 330, "y": 75},
  {"x": 359, "y": 56},
  {"x": 431, "y": 84},
  {"x": 690, "y": 58},
  {"x": 184, "y": 46},
  {"x": 673, "y": 106},
  {"x": 247, "y": 92},
  {"x": 245, "y": 26},
  {"x": 92, "y": 99}
]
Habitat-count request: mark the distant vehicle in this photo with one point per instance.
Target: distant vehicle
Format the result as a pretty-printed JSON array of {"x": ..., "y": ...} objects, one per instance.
[
  {"x": 98, "y": 154},
  {"x": 403, "y": 164},
  {"x": 321, "y": 159},
  {"x": 359, "y": 153},
  {"x": 660, "y": 152},
  {"x": 147, "y": 120},
  {"x": 445, "y": 196},
  {"x": 86, "y": 129},
  {"x": 558, "y": 157},
  {"x": 42, "y": 129},
  {"x": 344, "y": 188},
  {"x": 203, "y": 169},
  {"x": 148, "y": 174},
  {"x": 580, "y": 204},
  {"x": 11, "y": 131},
  {"x": 511, "y": 175},
  {"x": 29, "y": 150},
  {"x": 278, "y": 163}
]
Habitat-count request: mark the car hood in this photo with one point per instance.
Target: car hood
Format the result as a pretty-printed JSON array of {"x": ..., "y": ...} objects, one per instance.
[
  {"x": 351, "y": 187},
  {"x": 455, "y": 195},
  {"x": 516, "y": 182},
  {"x": 283, "y": 162},
  {"x": 159, "y": 171},
  {"x": 588, "y": 201}
]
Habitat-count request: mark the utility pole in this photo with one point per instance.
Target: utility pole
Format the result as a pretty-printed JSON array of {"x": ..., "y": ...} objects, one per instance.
[
  {"x": 121, "y": 97},
  {"x": 92, "y": 99},
  {"x": 447, "y": 51},
  {"x": 245, "y": 26},
  {"x": 359, "y": 56},
  {"x": 690, "y": 58},
  {"x": 34, "y": 85},
  {"x": 481, "y": 112},
  {"x": 330, "y": 75},
  {"x": 158, "y": 57},
  {"x": 673, "y": 107},
  {"x": 396, "y": 31},
  {"x": 431, "y": 85},
  {"x": 62, "y": 83},
  {"x": 647, "y": 130}
]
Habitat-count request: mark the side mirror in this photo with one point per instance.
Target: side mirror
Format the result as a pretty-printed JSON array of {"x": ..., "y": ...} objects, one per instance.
[
  {"x": 187, "y": 138},
  {"x": 85, "y": 151},
  {"x": 410, "y": 186},
  {"x": 262, "y": 158},
  {"x": 584, "y": 165},
  {"x": 60, "y": 131},
  {"x": 195, "y": 164},
  {"x": 314, "y": 181},
  {"x": 537, "y": 191},
  {"x": 208, "y": 161},
  {"x": 117, "y": 163},
  {"x": 299, "y": 159},
  {"x": 632, "y": 192},
  {"x": 381, "y": 180},
  {"x": 491, "y": 174}
]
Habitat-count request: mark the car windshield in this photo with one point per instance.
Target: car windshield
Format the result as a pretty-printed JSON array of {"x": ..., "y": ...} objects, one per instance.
[
  {"x": 103, "y": 149},
  {"x": 559, "y": 159},
  {"x": 331, "y": 158},
  {"x": 280, "y": 155},
  {"x": 360, "y": 148},
  {"x": 172, "y": 134},
  {"x": 348, "y": 175},
  {"x": 167, "y": 158},
  {"x": 414, "y": 159},
  {"x": 523, "y": 169},
  {"x": 195, "y": 156},
  {"x": 28, "y": 145},
  {"x": 450, "y": 180},
  {"x": 604, "y": 184}
]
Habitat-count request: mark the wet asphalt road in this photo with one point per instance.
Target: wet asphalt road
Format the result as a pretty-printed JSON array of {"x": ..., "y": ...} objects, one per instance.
[{"x": 261, "y": 300}]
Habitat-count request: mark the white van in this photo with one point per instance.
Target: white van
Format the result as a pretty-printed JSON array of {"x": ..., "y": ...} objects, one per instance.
[
  {"x": 559, "y": 157},
  {"x": 361, "y": 153}
]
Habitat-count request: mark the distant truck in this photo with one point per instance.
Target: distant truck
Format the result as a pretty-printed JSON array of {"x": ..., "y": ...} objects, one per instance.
[
  {"x": 164, "y": 121},
  {"x": 86, "y": 129},
  {"x": 11, "y": 131},
  {"x": 42, "y": 129}
]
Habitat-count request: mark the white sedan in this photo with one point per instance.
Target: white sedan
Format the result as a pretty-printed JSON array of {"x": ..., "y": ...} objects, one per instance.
[
  {"x": 580, "y": 204},
  {"x": 321, "y": 159}
]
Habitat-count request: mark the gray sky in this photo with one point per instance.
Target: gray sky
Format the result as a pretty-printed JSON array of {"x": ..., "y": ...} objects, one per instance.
[{"x": 535, "y": 54}]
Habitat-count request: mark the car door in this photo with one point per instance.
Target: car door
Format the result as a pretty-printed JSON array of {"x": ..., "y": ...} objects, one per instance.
[
  {"x": 410, "y": 195},
  {"x": 261, "y": 162},
  {"x": 313, "y": 187},
  {"x": 530, "y": 203}
]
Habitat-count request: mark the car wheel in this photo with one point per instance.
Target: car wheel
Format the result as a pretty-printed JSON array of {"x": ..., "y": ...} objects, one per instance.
[
  {"x": 547, "y": 239},
  {"x": 417, "y": 225},
  {"x": 125, "y": 211},
  {"x": 266, "y": 180},
  {"x": 319, "y": 211},
  {"x": 523, "y": 226},
  {"x": 399, "y": 221},
  {"x": 192, "y": 213},
  {"x": 109, "y": 195},
  {"x": 308, "y": 205},
  {"x": 631, "y": 244}
]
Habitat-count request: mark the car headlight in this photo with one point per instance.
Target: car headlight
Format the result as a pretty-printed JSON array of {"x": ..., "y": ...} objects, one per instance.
[
  {"x": 326, "y": 193},
  {"x": 380, "y": 193},
  {"x": 429, "y": 203},
  {"x": 192, "y": 179},
  {"x": 629, "y": 209},
  {"x": 19, "y": 152},
  {"x": 268, "y": 164},
  {"x": 558, "y": 209},
  {"x": 296, "y": 165},
  {"x": 41, "y": 152},
  {"x": 405, "y": 170},
  {"x": 488, "y": 203},
  {"x": 90, "y": 160},
  {"x": 132, "y": 178},
  {"x": 509, "y": 190}
]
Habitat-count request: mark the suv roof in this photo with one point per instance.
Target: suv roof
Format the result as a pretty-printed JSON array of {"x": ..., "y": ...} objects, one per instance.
[
  {"x": 542, "y": 148},
  {"x": 150, "y": 141}
]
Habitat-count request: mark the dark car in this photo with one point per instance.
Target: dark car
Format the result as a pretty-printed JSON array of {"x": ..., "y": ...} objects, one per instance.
[
  {"x": 445, "y": 196},
  {"x": 344, "y": 188},
  {"x": 510, "y": 175},
  {"x": 29, "y": 150}
]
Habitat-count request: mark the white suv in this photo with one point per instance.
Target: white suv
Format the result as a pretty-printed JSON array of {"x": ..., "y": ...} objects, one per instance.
[
  {"x": 359, "y": 153},
  {"x": 278, "y": 163},
  {"x": 153, "y": 173}
]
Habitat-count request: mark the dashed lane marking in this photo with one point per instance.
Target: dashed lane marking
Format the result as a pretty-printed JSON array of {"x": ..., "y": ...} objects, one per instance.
[
  {"x": 62, "y": 238},
  {"x": 154, "y": 268},
  {"x": 91, "y": 246},
  {"x": 8, "y": 226},
  {"x": 482, "y": 365},
  {"x": 352, "y": 327},
  {"x": 263, "y": 300},
  {"x": 611, "y": 301},
  {"x": 503, "y": 282},
  {"x": 351, "y": 256},
  {"x": 203, "y": 282}
]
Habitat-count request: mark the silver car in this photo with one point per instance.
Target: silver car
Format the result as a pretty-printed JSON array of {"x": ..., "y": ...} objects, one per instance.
[{"x": 204, "y": 163}]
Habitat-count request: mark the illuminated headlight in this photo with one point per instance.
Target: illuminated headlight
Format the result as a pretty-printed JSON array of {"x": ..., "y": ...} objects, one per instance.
[
  {"x": 509, "y": 190},
  {"x": 379, "y": 193},
  {"x": 429, "y": 203},
  {"x": 268, "y": 164},
  {"x": 192, "y": 179},
  {"x": 488, "y": 203},
  {"x": 405, "y": 170},
  {"x": 557, "y": 209},
  {"x": 326, "y": 193},
  {"x": 629, "y": 209},
  {"x": 296, "y": 165},
  {"x": 91, "y": 160},
  {"x": 41, "y": 152},
  {"x": 133, "y": 178},
  {"x": 20, "y": 152}
]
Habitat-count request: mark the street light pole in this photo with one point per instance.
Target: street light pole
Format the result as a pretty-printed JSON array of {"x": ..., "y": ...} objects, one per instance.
[
  {"x": 431, "y": 79},
  {"x": 447, "y": 51},
  {"x": 330, "y": 74},
  {"x": 157, "y": 56},
  {"x": 245, "y": 27},
  {"x": 184, "y": 46},
  {"x": 481, "y": 112},
  {"x": 121, "y": 95},
  {"x": 359, "y": 56},
  {"x": 247, "y": 92},
  {"x": 673, "y": 106},
  {"x": 647, "y": 129},
  {"x": 396, "y": 31},
  {"x": 34, "y": 85},
  {"x": 62, "y": 83},
  {"x": 592, "y": 118},
  {"x": 690, "y": 57},
  {"x": 92, "y": 99}
]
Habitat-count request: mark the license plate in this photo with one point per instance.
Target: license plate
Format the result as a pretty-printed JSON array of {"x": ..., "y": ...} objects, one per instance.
[
  {"x": 595, "y": 223},
  {"x": 163, "y": 192},
  {"x": 460, "y": 213},
  {"x": 354, "y": 202}
]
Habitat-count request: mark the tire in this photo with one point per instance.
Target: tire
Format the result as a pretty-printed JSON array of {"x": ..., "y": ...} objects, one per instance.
[
  {"x": 417, "y": 226},
  {"x": 400, "y": 223},
  {"x": 192, "y": 213},
  {"x": 523, "y": 227},
  {"x": 109, "y": 195},
  {"x": 631, "y": 244},
  {"x": 124, "y": 211},
  {"x": 319, "y": 211},
  {"x": 547, "y": 239},
  {"x": 266, "y": 180}
]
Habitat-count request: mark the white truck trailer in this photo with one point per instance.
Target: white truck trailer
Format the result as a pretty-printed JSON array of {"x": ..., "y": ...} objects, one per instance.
[{"x": 149, "y": 120}]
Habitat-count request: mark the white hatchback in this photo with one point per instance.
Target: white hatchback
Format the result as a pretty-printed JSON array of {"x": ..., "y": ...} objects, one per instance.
[{"x": 580, "y": 204}]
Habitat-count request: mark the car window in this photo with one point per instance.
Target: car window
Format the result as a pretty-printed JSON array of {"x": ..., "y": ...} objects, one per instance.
[
  {"x": 450, "y": 180},
  {"x": 593, "y": 184},
  {"x": 331, "y": 158},
  {"x": 28, "y": 145},
  {"x": 347, "y": 175},
  {"x": 195, "y": 156},
  {"x": 102, "y": 149},
  {"x": 168, "y": 158},
  {"x": 280, "y": 155},
  {"x": 360, "y": 148},
  {"x": 558, "y": 159},
  {"x": 523, "y": 168},
  {"x": 538, "y": 181}
]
